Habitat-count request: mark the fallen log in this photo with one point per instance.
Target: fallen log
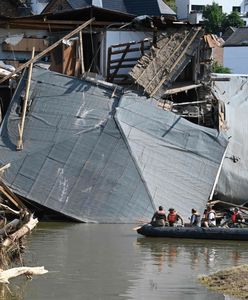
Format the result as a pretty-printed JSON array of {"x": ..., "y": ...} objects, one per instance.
[
  {"x": 9, "y": 227},
  {"x": 26, "y": 228},
  {"x": 14, "y": 272}
]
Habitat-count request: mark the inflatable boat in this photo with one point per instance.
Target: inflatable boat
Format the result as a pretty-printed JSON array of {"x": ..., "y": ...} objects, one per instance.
[{"x": 213, "y": 233}]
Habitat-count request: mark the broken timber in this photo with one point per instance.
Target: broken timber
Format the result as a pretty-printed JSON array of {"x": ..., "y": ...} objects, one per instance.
[
  {"x": 12, "y": 230},
  {"x": 19, "y": 145},
  {"x": 155, "y": 72},
  {"x": 14, "y": 272},
  {"x": 43, "y": 53}
]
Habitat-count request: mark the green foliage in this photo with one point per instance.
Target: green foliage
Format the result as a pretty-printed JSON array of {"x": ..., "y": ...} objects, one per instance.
[
  {"x": 171, "y": 4},
  {"x": 233, "y": 19},
  {"x": 218, "y": 68},
  {"x": 214, "y": 18},
  {"x": 216, "y": 21}
]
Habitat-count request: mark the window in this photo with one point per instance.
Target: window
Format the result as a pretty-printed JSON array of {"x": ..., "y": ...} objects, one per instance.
[
  {"x": 236, "y": 8},
  {"x": 198, "y": 8}
]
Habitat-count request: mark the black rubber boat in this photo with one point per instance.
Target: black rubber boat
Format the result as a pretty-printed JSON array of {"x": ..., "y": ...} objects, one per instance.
[{"x": 213, "y": 233}]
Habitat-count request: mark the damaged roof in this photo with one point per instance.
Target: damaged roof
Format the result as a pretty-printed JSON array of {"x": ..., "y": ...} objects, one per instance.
[
  {"x": 96, "y": 154},
  {"x": 155, "y": 72},
  {"x": 238, "y": 38},
  {"x": 135, "y": 7}
]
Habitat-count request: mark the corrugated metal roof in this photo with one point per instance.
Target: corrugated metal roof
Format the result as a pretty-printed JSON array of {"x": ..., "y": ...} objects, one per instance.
[
  {"x": 135, "y": 7},
  {"x": 88, "y": 162},
  {"x": 177, "y": 159},
  {"x": 74, "y": 159},
  {"x": 238, "y": 38}
]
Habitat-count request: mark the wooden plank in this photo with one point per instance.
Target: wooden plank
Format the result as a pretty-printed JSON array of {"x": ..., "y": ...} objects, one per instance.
[
  {"x": 11, "y": 196},
  {"x": 131, "y": 43},
  {"x": 26, "y": 44},
  {"x": 113, "y": 61},
  {"x": 19, "y": 145},
  {"x": 108, "y": 67},
  {"x": 175, "y": 90},
  {"x": 121, "y": 66},
  {"x": 130, "y": 50},
  {"x": 81, "y": 52},
  {"x": 43, "y": 53}
]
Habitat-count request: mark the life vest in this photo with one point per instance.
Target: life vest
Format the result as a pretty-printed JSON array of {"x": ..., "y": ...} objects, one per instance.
[
  {"x": 160, "y": 214},
  {"x": 195, "y": 218},
  {"x": 211, "y": 211},
  {"x": 172, "y": 217},
  {"x": 236, "y": 217}
]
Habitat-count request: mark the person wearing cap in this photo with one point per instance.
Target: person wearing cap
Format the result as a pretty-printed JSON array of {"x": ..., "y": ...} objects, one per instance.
[
  {"x": 173, "y": 217},
  {"x": 195, "y": 219},
  {"x": 159, "y": 217}
]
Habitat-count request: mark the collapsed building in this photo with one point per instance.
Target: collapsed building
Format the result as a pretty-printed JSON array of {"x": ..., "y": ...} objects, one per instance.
[{"x": 120, "y": 116}]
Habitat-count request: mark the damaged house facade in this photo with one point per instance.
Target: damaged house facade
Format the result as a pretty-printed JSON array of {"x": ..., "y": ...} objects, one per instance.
[{"x": 120, "y": 117}]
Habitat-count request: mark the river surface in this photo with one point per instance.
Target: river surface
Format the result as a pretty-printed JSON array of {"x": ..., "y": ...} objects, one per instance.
[{"x": 108, "y": 262}]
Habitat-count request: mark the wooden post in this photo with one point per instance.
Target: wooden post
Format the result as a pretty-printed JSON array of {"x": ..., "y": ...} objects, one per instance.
[
  {"x": 81, "y": 52},
  {"x": 43, "y": 53},
  {"x": 4, "y": 167},
  {"x": 19, "y": 145},
  {"x": 11, "y": 196}
]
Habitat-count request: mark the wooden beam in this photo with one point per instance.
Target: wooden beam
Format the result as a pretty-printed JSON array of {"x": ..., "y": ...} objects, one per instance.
[
  {"x": 5, "y": 275},
  {"x": 4, "y": 167},
  {"x": 19, "y": 145},
  {"x": 43, "y": 53},
  {"x": 11, "y": 196},
  {"x": 81, "y": 52}
]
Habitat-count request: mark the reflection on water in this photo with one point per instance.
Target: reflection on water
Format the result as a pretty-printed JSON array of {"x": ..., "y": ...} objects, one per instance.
[
  {"x": 175, "y": 264},
  {"x": 208, "y": 254},
  {"x": 112, "y": 262}
]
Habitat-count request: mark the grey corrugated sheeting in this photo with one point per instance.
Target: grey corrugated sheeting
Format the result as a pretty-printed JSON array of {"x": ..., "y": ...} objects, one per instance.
[
  {"x": 78, "y": 161},
  {"x": 177, "y": 159},
  {"x": 232, "y": 184},
  {"x": 74, "y": 159},
  {"x": 136, "y": 7}
]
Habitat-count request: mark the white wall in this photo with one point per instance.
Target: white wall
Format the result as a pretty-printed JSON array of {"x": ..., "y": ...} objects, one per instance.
[
  {"x": 182, "y": 9},
  {"x": 227, "y": 5},
  {"x": 114, "y": 37},
  {"x": 236, "y": 58}
]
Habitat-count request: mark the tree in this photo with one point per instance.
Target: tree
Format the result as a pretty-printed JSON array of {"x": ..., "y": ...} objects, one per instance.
[
  {"x": 216, "y": 21},
  {"x": 214, "y": 18},
  {"x": 234, "y": 20}
]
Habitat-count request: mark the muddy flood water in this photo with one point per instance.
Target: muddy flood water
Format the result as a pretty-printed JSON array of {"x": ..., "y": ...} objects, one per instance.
[{"x": 108, "y": 262}]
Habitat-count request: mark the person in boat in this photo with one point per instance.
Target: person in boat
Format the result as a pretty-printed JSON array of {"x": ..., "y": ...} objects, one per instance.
[
  {"x": 210, "y": 217},
  {"x": 173, "y": 217},
  {"x": 159, "y": 217},
  {"x": 237, "y": 217},
  {"x": 195, "y": 219}
]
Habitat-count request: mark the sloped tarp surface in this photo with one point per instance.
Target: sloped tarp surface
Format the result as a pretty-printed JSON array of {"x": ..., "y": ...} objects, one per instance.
[
  {"x": 74, "y": 159},
  {"x": 177, "y": 159},
  {"x": 232, "y": 184}
]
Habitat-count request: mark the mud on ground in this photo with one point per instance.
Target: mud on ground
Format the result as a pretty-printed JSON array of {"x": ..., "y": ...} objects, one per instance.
[{"x": 233, "y": 281}]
